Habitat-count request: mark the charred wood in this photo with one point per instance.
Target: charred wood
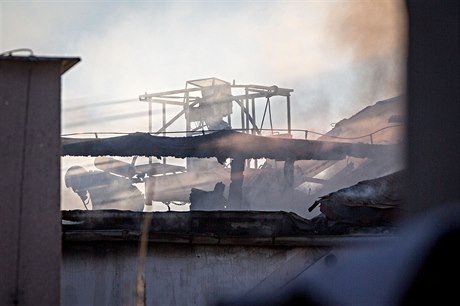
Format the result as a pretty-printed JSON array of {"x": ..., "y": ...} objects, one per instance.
[{"x": 222, "y": 144}]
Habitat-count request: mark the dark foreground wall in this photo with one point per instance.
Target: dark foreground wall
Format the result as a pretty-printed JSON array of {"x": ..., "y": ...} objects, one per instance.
[
  {"x": 175, "y": 274},
  {"x": 30, "y": 147},
  {"x": 192, "y": 258}
]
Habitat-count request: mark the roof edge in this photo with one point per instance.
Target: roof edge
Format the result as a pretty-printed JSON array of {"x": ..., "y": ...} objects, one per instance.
[{"x": 66, "y": 62}]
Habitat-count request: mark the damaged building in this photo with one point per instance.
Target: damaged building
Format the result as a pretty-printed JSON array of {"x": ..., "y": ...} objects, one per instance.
[
  {"x": 257, "y": 169},
  {"x": 255, "y": 196},
  {"x": 244, "y": 167},
  {"x": 250, "y": 190},
  {"x": 280, "y": 220}
]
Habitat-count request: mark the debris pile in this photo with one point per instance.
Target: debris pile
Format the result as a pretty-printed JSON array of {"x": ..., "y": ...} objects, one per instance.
[{"x": 372, "y": 202}]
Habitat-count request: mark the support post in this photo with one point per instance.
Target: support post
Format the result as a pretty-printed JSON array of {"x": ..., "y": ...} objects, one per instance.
[
  {"x": 243, "y": 120},
  {"x": 163, "y": 110},
  {"x": 235, "y": 197},
  {"x": 253, "y": 105},
  {"x": 188, "y": 124},
  {"x": 289, "y": 173},
  {"x": 246, "y": 102},
  {"x": 150, "y": 126},
  {"x": 289, "y": 114},
  {"x": 254, "y": 126}
]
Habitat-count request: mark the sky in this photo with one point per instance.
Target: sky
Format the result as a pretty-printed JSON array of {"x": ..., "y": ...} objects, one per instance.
[{"x": 338, "y": 56}]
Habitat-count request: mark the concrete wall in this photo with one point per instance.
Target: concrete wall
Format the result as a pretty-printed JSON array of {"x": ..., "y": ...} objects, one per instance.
[
  {"x": 30, "y": 146},
  {"x": 104, "y": 273}
]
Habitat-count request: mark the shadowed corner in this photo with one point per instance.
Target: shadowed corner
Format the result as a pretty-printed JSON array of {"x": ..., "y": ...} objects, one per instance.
[
  {"x": 420, "y": 266},
  {"x": 416, "y": 268}
]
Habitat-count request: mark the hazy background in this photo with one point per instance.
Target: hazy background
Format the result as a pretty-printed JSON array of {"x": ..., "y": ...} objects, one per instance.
[{"x": 338, "y": 56}]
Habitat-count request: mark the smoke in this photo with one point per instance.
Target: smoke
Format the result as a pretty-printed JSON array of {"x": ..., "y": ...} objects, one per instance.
[
  {"x": 338, "y": 56},
  {"x": 369, "y": 43},
  {"x": 369, "y": 29},
  {"x": 367, "y": 193}
]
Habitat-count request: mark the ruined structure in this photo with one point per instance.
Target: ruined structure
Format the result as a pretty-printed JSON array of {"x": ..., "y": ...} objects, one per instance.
[
  {"x": 243, "y": 158},
  {"x": 248, "y": 228}
]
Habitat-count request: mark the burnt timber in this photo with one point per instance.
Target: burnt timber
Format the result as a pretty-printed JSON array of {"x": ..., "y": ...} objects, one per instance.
[{"x": 222, "y": 145}]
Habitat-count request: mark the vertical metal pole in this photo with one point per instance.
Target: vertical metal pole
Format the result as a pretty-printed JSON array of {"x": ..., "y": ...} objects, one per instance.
[
  {"x": 289, "y": 173},
  {"x": 243, "y": 128},
  {"x": 148, "y": 182},
  {"x": 188, "y": 126},
  {"x": 246, "y": 102},
  {"x": 150, "y": 125},
  {"x": 246, "y": 106},
  {"x": 289, "y": 114},
  {"x": 164, "y": 123},
  {"x": 253, "y": 106}
]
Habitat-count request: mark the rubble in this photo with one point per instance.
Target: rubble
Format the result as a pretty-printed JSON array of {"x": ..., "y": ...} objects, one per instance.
[
  {"x": 370, "y": 202},
  {"x": 208, "y": 200}
]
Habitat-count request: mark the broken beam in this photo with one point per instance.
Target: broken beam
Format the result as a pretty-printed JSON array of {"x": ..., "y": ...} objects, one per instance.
[{"x": 222, "y": 144}]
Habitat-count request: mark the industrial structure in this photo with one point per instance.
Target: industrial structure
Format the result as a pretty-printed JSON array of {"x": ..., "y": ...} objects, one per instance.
[
  {"x": 234, "y": 154},
  {"x": 244, "y": 185},
  {"x": 249, "y": 190},
  {"x": 254, "y": 258},
  {"x": 209, "y": 103}
]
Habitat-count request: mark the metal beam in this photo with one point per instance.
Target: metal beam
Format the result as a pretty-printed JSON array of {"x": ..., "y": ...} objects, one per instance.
[{"x": 222, "y": 144}]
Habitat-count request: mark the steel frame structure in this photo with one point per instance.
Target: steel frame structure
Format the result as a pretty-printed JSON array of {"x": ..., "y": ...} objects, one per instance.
[{"x": 192, "y": 95}]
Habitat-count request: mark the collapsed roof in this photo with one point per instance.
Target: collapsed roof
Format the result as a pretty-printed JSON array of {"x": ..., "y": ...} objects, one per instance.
[{"x": 365, "y": 146}]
